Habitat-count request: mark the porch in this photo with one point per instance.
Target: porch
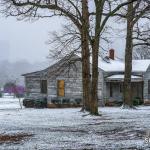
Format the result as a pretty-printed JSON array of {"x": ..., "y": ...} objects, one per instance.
[{"x": 114, "y": 87}]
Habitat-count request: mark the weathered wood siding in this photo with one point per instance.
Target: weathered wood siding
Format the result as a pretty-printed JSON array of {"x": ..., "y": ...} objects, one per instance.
[
  {"x": 137, "y": 88},
  {"x": 33, "y": 87},
  {"x": 73, "y": 85},
  {"x": 73, "y": 82},
  {"x": 100, "y": 84},
  {"x": 146, "y": 78},
  {"x": 106, "y": 88}
]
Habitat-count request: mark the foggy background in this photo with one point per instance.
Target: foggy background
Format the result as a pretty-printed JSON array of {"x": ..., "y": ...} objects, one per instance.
[{"x": 23, "y": 46}]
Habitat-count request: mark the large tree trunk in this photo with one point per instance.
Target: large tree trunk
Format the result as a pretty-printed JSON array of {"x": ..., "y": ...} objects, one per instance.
[
  {"x": 94, "y": 97},
  {"x": 85, "y": 77},
  {"x": 85, "y": 56},
  {"x": 128, "y": 59},
  {"x": 95, "y": 55}
]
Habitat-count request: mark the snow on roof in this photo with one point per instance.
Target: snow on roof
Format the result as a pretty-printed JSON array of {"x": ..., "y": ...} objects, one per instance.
[
  {"x": 118, "y": 65},
  {"x": 105, "y": 64},
  {"x": 121, "y": 77},
  {"x": 141, "y": 65}
]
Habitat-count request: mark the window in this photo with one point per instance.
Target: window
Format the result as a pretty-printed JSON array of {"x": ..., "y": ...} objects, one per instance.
[
  {"x": 148, "y": 86},
  {"x": 121, "y": 87},
  {"x": 61, "y": 88},
  {"x": 111, "y": 90},
  {"x": 44, "y": 86}
]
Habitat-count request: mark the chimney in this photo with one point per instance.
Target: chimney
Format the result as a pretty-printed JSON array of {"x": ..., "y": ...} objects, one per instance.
[{"x": 112, "y": 54}]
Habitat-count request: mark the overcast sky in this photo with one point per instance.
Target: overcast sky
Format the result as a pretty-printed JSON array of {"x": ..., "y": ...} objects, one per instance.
[{"x": 25, "y": 40}]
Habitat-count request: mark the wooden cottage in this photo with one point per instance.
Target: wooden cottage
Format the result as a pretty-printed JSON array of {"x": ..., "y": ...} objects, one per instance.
[{"x": 63, "y": 80}]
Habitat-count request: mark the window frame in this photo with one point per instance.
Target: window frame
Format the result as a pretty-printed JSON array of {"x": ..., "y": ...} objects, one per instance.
[
  {"x": 120, "y": 87},
  {"x": 43, "y": 86},
  {"x": 148, "y": 86},
  {"x": 111, "y": 90}
]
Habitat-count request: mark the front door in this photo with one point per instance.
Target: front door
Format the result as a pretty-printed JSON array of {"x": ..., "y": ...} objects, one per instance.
[
  {"x": 115, "y": 91},
  {"x": 61, "y": 88}
]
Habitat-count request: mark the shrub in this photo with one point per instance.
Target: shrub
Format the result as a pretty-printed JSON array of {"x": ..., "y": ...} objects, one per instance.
[
  {"x": 66, "y": 101},
  {"x": 29, "y": 103},
  {"x": 56, "y": 101},
  {"x": 78, "y": 101},
  {"x": 137, "y": 101},
  {"x": 118, "y": 103},
  {"x": 36, "y": 103},
  {"x": 40, "y": 103}
]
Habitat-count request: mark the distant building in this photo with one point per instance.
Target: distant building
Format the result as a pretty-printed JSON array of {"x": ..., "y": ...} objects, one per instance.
[{"x": 64, "y": 79}]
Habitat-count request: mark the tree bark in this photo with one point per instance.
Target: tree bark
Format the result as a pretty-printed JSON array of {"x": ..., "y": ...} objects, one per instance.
[
  {"x": 128, "y": 58},
  {"x": 85, "y": 56},
  {"x": 94, "y": 97},
  {"x": 95, "y": 54}
]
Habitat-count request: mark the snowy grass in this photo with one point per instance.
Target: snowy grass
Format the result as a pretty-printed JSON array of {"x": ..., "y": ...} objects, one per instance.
[{"x": 54, "y": 129}]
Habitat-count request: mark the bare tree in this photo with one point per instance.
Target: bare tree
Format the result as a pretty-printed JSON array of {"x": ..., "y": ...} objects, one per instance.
[
  {"x": 135, "y": 11},
  {"x": 64, "y": 42},
  {"x": 141, "y": 49},
  {"x": 103, "y": 11},
  {"x": 90, "y": 24},
  {"x": 69, "y": 9},
  {"x": 141, "y": 34},
  {"x": 142, "y": 52},
  {"x": 134, "y": 14},
  {"x": 16, "y": 93}
]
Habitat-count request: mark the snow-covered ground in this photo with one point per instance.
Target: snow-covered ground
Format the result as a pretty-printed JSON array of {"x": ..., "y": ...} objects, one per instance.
[{"x": 59, "y": 129}]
